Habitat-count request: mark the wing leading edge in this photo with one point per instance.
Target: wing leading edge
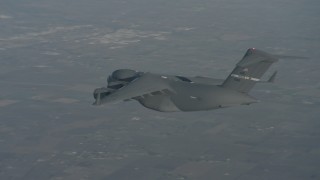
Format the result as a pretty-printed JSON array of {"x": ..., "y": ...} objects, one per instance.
[{"x": 146, "y": 84}]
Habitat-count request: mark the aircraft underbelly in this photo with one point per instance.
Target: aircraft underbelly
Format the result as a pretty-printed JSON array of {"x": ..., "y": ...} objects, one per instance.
[
  {"x": 161, "y": 103},
  {"x": 204, "y": 97}
]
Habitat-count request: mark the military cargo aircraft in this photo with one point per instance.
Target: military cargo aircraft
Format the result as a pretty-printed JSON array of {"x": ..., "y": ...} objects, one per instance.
[{"x": 170, "y": 93}]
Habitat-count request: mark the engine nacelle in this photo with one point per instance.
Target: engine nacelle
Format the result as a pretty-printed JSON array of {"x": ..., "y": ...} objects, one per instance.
[
  {"x": 124, "y": 75},
  {"x": 121, "y": 77}
]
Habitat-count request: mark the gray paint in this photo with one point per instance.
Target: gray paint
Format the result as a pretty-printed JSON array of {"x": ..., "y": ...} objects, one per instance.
[{"x": 168, "y": 93}]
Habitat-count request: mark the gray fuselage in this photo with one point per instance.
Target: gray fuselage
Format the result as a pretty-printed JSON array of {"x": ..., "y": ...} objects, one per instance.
[{"x": 193, "y": 96}]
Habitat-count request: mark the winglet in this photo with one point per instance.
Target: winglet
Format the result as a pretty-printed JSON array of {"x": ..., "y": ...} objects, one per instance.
[
  {"x": 98, "y": 100},
  {"x": 272, "y": 77}
]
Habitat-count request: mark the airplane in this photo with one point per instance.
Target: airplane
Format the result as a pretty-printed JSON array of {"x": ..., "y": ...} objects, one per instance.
[{"x": 172, "y": 93}]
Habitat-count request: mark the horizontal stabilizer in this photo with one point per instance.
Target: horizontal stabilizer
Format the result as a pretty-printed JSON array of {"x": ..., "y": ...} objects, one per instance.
[
  {"x": 288, "y": 57},
  {"x": 254, "y": 56}
]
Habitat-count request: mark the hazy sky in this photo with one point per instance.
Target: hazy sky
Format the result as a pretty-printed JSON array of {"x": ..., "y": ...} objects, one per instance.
[{"x": 54, "y": 53}]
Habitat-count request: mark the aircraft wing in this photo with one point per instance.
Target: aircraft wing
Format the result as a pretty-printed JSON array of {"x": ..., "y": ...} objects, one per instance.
[{"x": 145, "y": 84}]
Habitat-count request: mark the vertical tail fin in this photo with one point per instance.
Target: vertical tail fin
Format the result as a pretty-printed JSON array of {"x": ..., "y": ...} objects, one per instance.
[{"x": 249, "y": 70}]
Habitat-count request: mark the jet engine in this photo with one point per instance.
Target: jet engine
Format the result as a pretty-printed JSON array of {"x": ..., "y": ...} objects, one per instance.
[
  {"x": 116, "y": 80},
  {"x": 121, "y": 77}
]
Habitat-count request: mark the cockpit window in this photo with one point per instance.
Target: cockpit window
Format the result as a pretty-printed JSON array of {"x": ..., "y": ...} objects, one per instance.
[{"x": 184, "y": 79}]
